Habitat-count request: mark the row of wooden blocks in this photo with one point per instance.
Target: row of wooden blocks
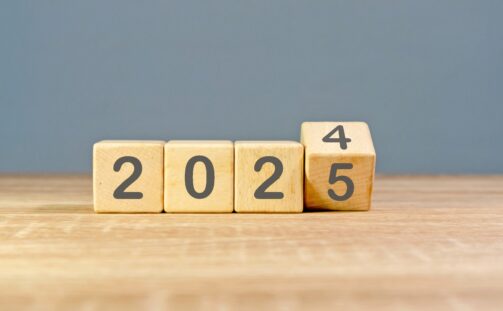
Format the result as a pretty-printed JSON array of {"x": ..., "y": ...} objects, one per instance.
[{"x": 332, "y": 169}]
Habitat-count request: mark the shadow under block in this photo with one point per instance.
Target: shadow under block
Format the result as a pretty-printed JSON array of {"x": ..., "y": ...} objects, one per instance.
[
  {"x": 340, "y": 165},
  {"x": 199, "y": 177},
  {"x": 128, "y": 176},
  {"x": 268, "y": 177}
]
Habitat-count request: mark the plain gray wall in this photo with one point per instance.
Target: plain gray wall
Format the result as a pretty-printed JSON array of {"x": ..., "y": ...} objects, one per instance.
[{"x": 426, "y": 75}]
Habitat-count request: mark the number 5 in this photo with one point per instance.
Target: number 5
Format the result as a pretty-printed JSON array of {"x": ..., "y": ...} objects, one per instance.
[{"x": 333, "y": 178}]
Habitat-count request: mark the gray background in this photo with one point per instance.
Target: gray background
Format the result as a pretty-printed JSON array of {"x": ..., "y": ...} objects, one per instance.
[{"x": 426, "y": 75}]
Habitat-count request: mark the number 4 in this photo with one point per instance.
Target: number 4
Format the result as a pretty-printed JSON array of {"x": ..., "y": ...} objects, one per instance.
[{"x": 342, "y": 140}]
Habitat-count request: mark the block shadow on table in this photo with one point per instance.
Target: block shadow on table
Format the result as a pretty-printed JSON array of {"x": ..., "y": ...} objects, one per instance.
[{"x": 88, "y": 209}]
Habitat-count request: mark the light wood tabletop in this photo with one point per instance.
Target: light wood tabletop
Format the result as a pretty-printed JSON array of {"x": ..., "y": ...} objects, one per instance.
[{"x": 427, "y": 243}]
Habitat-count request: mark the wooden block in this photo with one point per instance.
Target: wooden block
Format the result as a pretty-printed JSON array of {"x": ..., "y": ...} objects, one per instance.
[
  {"x": 269, "y": 176},
  {"x": 128, "y": 176},
  {"x": 340, "y": 165},
  {"x": 199, "y": 176}
]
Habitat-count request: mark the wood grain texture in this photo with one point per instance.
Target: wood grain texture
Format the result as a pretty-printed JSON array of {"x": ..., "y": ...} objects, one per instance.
[
  {"x": 358, "y": 155},
  {"x": 177, "y": 154},
  {"x": 249, "y": 177},
  {"x": 428, "y": 243}
]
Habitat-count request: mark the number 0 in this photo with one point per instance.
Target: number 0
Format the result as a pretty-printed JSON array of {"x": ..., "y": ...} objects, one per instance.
[{"x": 189, "y": 177}]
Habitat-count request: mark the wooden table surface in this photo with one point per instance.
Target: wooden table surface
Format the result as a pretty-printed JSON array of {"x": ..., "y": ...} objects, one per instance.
[{"x": 428, "y": 243}]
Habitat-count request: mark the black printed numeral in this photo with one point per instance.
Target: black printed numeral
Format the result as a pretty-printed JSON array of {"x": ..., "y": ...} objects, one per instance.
[
  {"x": 120, "y": 192},
  {"x": 342, "y": 140},
  {"x": 189, "y": 177},
  {"x": 333, "y": 178},
  {"x": 261, "y": 193}
]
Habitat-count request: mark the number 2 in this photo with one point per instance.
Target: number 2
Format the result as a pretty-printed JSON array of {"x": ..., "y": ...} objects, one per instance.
[
  {"x": 120, "y": 192},
  {"x": 333, "y": 178},
  {"x": 261, "y": 193}
]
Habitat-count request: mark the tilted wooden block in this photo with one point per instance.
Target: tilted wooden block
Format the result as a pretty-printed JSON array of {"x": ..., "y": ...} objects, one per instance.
[
  {"x": 128, "y": 176},
  {"x": 340, "y": 165},
  {"x": 199, "y": 176},
  {"x": 268, "y": 177}
]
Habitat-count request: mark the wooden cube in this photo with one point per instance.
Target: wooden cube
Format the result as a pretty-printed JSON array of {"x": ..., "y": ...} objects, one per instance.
[
  {"x": 128, "y": 176},
  {"x": 340, "y": 165},
  {"x": 269, "y": 176},
  {"x": 199, "y": 176}
]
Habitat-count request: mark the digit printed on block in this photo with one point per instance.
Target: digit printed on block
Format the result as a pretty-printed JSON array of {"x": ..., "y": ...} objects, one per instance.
[
  {"x": 198, "y": 176},
  {"x": 268, "y": 177},
  {"x": 128, "y": 176},
  {"x": 339, "y": 165}
]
